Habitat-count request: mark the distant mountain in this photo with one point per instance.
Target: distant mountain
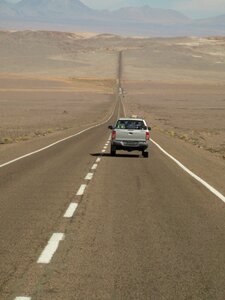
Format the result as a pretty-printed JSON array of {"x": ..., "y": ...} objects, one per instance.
[
  {"x": 58, "y": 9},
  {"x": 218, "y": 20},
  {"x": 45, "y": 10},
  {"x": 73, "y": 15},
  {"x": 150, "y": 15}
]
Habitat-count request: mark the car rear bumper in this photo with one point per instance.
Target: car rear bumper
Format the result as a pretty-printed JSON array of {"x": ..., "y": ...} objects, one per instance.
[{"x": 130, "y": 145}]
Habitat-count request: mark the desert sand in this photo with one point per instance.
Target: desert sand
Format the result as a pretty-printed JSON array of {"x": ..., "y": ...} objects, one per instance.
[{"x": 52, "y": 83}]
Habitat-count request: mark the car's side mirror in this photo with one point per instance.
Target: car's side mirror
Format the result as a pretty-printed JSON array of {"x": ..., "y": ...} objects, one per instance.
[
  {"x": 110, "y": 127},
  {"x": 149, "y": 128}
]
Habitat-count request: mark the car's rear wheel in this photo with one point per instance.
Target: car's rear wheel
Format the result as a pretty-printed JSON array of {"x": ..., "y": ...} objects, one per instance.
[
  {"x": 113, "y": 151},
  {"x": 145, "y": 153}
]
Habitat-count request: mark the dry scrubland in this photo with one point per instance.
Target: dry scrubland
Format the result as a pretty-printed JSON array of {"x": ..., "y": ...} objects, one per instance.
[
  {"x": 34, "y": 107},
  {"x": 50, "y": 82},
  {"x": 53, "y": 81},
  {"x": 190, "y": 112},
  {"x": 180, "y": 89}
]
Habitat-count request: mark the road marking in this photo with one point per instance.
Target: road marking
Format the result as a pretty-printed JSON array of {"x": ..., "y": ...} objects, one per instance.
[
  {"x": 81, "y": 190},
  {"x": 203, "y": 182},
  {"x": 124, "y": 111},
  {"x": 94, "y": 167},
  {"x": 105, "y": 147},
  {"x": 71, "y": 210},
  {"x": 89, "y": 176},
  {"x": 51, "y": 248},
  {"x": 23, "y": 298},
  {"x": 103, "y": 150},
  {"x": 98, "y": 160},
  {"x": 57, "y": 142},
  {"x": 197, "y": 56},
  {"x": 118, "y": 114}
]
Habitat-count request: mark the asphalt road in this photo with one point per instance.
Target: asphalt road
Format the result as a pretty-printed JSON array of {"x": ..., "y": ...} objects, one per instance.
[{"x": 142, "y": 229}]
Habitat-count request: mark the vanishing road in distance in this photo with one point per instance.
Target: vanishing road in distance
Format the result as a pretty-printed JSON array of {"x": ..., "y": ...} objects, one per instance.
[{"x": 77, "y": 223}]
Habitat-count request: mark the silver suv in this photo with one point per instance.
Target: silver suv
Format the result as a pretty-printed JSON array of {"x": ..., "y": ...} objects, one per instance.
[{"x": 130, "y": 134}]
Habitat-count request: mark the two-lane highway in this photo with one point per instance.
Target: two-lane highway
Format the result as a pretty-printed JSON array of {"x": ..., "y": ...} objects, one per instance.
[
  {"x": 35, "y": 192},
  {"x": 77, "y": 223},
  {"x": 144, "y": 230}
]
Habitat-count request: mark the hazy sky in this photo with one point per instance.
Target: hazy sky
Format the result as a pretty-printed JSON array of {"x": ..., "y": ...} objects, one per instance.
[{"x": 192, "y": 8}]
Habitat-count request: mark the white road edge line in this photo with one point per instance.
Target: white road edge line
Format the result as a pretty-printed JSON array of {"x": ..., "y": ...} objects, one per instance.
[
  {"x": 23, "y": 298},
  {"x": 94, "y": 167},
  {"x": 203, "y": 182},
  {"x": 89, "y": 176},
  {"x": 71, "y": 210},
  {"x": 51, "y": 248},
  {"x": 98, "y": 160},
  {"x": 81, "y": 190},
  {"x": 57, "y": 142}
]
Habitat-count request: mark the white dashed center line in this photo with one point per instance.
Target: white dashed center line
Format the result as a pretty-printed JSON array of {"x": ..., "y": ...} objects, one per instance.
[
  {"x": 51, "y": 248},
  {"x": 81, "y": 190},
  {"x": 94, "y": 167},
  {"x": 23, "y": 298},
  {"x": 53, "y": 243},
  {"x": 89, "y": 176},
  {"x": 71, "y": 210}
]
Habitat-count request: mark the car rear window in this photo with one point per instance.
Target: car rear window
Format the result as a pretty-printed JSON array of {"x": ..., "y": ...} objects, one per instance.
[{"x": 130, "y": 124}]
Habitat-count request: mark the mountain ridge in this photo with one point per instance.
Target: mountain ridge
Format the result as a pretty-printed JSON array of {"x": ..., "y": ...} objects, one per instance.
[
  {"x": 143, "y": 13},
  {"x": 75, "y": 15}
]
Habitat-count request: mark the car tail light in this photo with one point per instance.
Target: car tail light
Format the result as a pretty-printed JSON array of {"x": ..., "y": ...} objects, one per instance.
[
  {"x": 113, "y": 135},
  {"x": 147, "y": 136}
]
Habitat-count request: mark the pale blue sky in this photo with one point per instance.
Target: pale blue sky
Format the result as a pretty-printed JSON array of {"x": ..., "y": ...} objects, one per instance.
[{"x": 192, "y": 8}]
